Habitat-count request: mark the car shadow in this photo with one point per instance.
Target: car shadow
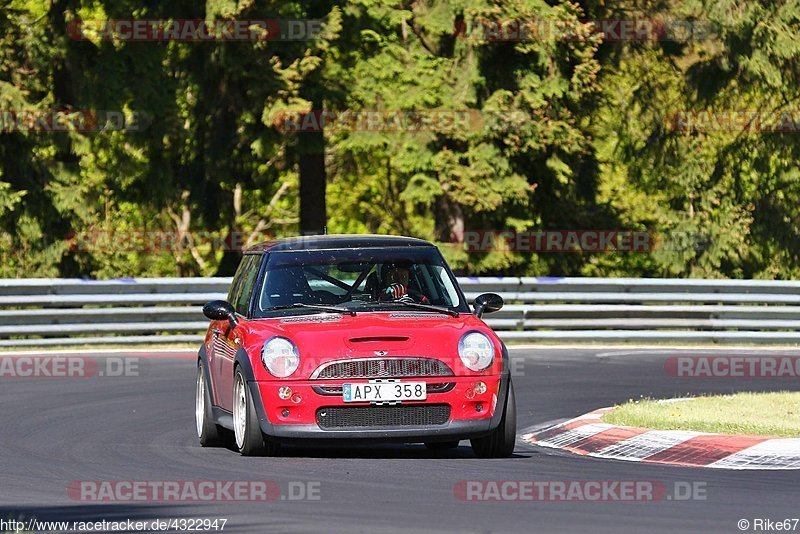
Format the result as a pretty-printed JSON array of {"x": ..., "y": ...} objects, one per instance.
[{"x": 390, "y": 451}]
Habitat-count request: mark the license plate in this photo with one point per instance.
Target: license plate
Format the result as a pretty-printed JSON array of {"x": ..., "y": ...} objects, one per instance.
[{"x": 384, "y": 391}]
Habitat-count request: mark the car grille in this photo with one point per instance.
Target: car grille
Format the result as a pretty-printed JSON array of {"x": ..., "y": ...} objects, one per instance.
[
  {"x": 382, "y": 368},
  {"x": 334, "y": 417},
  {"x": 439, "y": 387}
]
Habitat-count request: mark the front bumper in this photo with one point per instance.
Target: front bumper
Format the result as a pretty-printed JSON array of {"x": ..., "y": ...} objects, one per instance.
[{"x": 470, "y": 415}]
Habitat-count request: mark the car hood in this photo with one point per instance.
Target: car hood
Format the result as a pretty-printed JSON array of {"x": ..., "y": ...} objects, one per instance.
[{"x": 322, "y": 337}]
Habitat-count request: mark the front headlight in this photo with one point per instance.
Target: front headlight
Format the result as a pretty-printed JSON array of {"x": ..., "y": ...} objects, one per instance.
[
  {"x": 476, "y": 351},
  {"x": 280, "y": 357}
]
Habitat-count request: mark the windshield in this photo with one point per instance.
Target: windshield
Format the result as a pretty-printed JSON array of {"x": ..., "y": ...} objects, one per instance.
[{"x": 358, "y": 280}]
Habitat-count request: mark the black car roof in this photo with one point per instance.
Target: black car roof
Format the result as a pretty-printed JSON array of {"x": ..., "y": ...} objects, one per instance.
[{"x": 337, "y": 241}]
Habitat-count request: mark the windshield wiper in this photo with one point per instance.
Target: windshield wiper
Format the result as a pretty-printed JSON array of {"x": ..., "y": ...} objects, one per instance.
[
  {"x": 334, "y": 309},
  {"x": 428, "y": 307}
]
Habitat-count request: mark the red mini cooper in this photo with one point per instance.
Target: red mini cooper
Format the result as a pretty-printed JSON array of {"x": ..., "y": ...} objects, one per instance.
[{"x": 352, "y": 338}]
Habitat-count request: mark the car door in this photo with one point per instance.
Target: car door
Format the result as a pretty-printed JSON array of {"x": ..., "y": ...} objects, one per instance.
[{"x": 227, "y": 340}]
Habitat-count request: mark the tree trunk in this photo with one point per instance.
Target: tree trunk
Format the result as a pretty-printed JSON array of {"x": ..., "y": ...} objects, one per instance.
[
  {"x": 449, "y": 221},
  {"x": 311, "y": 161}
]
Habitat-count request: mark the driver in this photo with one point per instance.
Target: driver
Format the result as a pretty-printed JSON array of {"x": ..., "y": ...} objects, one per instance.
[
  {"x": 394, "y": 277},
  {"x": 395, "y": 281}
]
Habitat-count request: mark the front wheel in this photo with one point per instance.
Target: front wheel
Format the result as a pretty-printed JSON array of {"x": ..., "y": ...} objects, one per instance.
[
  {"x": 209, "y": 433},
  {"x": 250, "y": 440},
  {"x": 500, "y": 443}
]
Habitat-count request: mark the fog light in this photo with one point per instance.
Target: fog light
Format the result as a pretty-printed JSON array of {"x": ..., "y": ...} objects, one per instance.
[
  {"x": 480, "y": 388},
  {"x": 296, "y": 399},
  {"x": 285, "y": 413},
  {"x": 479, "y": 407},
  {"x": 469, "y": 393},
  {"x": 285, "y": 392}
]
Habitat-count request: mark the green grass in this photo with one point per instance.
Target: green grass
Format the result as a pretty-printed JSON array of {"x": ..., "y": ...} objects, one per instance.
[{"x": 760, "y": 414}]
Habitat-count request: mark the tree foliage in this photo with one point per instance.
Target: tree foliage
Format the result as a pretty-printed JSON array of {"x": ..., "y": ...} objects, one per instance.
[{"x": 574, "y": 132}]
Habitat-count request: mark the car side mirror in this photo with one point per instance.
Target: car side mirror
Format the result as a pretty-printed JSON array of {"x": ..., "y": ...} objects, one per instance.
[
  {"x": 219, "y": 310},
  {"x": 487, "y": 303}
]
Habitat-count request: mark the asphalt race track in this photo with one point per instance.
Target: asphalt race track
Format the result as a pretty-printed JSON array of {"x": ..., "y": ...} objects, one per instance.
[{"x": 55, "y": 431}]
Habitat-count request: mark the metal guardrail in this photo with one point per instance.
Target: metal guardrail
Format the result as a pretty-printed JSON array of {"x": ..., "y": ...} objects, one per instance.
[{"x": 41, "y": 312}]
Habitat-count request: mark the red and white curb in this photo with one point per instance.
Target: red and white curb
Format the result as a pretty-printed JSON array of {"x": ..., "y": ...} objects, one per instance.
[{"x": 588, "y": 435}]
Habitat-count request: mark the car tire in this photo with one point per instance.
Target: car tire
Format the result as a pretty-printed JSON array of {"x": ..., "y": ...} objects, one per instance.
[
  {"x": 209, "y": 433},
  {"x": 441, "y": 445},
  {"x": 248, "y": 438},
  {"x": 500, "y": 443}
]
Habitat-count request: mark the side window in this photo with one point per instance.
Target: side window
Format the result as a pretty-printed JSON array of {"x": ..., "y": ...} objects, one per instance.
[
  {"x": 236, "y": 284},
  {"x": 249, "y": 276},
  {"x": 447, "y": 286}
]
